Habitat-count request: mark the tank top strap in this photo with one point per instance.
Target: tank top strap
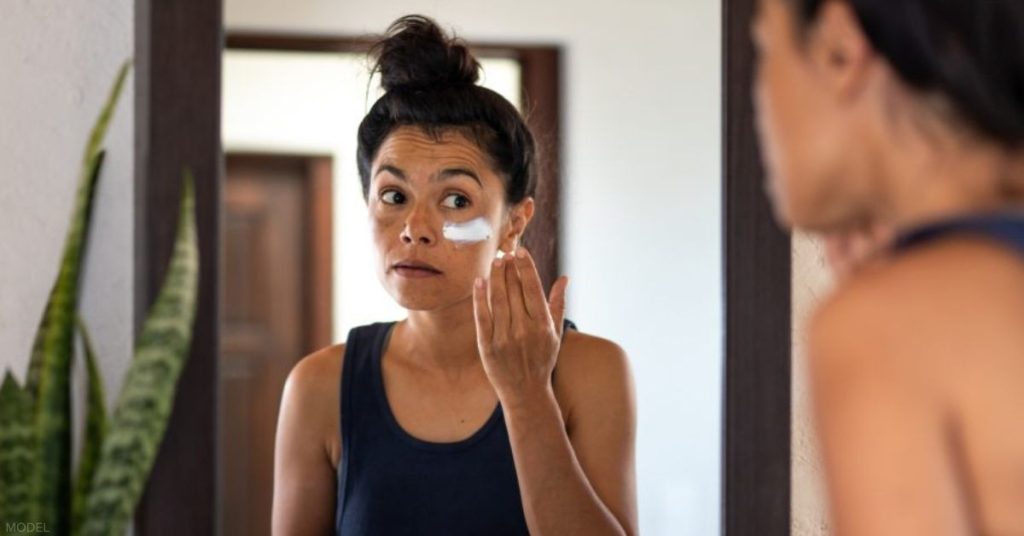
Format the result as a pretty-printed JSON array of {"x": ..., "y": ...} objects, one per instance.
[
  {"x": 356, "y": 395},
  {"x": 1007, "y": 228},
  {"x": 361, "y": 350}
]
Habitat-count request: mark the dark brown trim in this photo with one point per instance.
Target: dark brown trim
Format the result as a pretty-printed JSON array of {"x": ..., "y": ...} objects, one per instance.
[
  {"x": 542, "y": 94},
  {"x": 756, "y": 422},
  {"x": 297, "y": 43},
  {"x": 541, "y": 81},
  {"x": 246, "y": 40},
  {"x": 177, "y": 90}
]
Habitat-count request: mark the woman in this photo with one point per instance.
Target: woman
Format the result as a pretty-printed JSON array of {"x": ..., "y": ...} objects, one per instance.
[
  {"x": 455, "y": 420},
  {"x": 907, "y": 117}
]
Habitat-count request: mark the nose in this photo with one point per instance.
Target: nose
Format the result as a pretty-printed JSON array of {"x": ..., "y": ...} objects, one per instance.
[{"x": 419, "y": 227}]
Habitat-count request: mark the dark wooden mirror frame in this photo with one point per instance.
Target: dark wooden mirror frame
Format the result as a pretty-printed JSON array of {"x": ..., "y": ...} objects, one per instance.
[
  {"x": 177, "y": 123},
  {"x": 756, "y": 413}
]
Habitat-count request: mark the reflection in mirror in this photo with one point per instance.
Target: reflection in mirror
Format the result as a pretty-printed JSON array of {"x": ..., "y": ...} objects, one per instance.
[{"x": 633, "y": 148}]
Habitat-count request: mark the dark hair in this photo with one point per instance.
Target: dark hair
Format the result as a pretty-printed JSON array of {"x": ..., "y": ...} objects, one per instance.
[
  {"x": 969, "y": 51},
  {"x": 429, "y": 81}
]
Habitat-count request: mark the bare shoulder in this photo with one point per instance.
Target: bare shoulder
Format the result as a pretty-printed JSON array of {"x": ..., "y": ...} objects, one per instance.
[
  {"x": 900, "y": 353},
  {"x": 586, "y": 357},
  {"x": 311, "y": 398},
  {"x": 591, "y": 370},
  {"x": 317, "y": 374},
  {"x": 922, "y": 315}
]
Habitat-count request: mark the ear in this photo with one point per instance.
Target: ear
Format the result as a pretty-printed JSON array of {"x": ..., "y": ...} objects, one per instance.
[
  {"x": 839, "y": 49},
  {"x": 519, "y": 217}
]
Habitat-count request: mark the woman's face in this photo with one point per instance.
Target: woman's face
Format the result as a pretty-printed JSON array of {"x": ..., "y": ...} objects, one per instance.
[
  {"x": 418, "y": 184},
  {"x": 809, "y": 115}
]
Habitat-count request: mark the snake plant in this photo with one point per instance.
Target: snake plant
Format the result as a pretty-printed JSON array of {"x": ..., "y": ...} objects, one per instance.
[{"x": 38, "y": 492}]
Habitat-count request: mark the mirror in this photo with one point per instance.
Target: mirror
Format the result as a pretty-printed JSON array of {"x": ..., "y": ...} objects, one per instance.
[{"x": 630, "y": 107}]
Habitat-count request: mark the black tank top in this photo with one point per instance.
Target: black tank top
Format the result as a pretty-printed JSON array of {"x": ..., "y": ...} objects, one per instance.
[{"x": 391, "y": 483}]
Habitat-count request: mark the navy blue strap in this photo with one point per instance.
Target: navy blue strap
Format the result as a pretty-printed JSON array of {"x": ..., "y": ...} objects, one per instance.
[{"x": 1007, "y": 228}]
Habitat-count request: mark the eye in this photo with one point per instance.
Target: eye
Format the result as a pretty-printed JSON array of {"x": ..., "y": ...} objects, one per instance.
[
  {"x": 392, "y": 197},
  {"x": 456, "y": 201}
]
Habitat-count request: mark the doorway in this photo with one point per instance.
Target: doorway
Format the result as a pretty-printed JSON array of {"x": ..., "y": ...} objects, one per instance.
[{"x": 276, "y": 308}]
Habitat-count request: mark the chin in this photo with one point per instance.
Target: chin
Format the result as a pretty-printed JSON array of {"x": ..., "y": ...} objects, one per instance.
[
  {"x": 796, "y": 210},
  {"x": 782, "y": 208},
  {"x": 820, "y": 220},
  {"x": 422, "y": 300}
]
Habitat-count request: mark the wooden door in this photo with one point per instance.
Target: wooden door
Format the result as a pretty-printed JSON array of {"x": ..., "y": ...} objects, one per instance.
[{"x": 276, "y": 296}]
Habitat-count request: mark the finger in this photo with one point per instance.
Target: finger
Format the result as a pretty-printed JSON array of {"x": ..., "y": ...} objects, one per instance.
[
  {"x": 482, "y": 314},
  {"x": 556, "y": 303},
  {"x": 518, "y": 317},
  {"x": 533, "y": 289},
  {"x": 499, "y": 299}
]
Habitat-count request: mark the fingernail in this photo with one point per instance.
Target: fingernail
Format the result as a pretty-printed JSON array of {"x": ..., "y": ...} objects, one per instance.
[
  {"x": 497, "y": 263},
  {"x": 521, "y": 253}
]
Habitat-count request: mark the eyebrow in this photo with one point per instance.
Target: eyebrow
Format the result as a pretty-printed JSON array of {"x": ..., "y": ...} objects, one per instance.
[
  {"x": 445, "y": 174},
  {"x": 454, "y": 172}
]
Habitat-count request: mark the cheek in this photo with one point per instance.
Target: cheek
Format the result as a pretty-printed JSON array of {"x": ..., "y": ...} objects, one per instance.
[
  {"x": 774, "y": 123},
  {"x": 384, "y": 229},
  {"x": 777, "y": 121},
  {"x": 792, "y": 140}
]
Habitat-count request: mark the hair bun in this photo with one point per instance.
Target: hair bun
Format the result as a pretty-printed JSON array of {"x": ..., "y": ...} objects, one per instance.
[{"x": 416, "y": 54}]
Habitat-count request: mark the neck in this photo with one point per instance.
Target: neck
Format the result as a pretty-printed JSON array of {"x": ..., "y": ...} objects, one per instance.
[
  {"x": 930, "y": 180},
  {"x": 441, "y": 339}
]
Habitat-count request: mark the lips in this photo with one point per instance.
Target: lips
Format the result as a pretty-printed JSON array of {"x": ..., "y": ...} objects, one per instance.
[{"x": 414, "y": 269}]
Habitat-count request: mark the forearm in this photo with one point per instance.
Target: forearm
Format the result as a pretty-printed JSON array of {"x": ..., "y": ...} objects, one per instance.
[{"x": 557, "y": 497}]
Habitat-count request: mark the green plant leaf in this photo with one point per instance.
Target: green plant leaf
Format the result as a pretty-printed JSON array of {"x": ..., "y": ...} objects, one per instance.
[
  {"x": 17, "y": 451},
  {"x": 145, "y": 402},
  {"x": 90, "y": 166},
  {"x": 49, "y": 372},
  {"x": 91, "y": 162},
  {"x": 53, "y": 349},
  {"x": 95, "y": 431}
]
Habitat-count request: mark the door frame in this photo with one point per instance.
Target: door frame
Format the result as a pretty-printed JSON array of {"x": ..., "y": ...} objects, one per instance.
[{"x": 177, "y": 76}]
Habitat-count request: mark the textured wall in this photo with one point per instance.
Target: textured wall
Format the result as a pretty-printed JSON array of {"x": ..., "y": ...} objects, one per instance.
[
  {"x": 811, "y": 281},
  {"x": 58, "y": 59}
]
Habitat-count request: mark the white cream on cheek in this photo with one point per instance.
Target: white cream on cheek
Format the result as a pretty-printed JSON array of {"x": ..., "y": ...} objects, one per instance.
[{"x": 470, "y": 232}]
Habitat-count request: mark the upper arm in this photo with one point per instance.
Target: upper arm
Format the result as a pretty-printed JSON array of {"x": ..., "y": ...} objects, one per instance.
[
  {"x": 883, "y": 425},
  {"x": 602, "y": 424},
  {"x": 304, "y": 476}
]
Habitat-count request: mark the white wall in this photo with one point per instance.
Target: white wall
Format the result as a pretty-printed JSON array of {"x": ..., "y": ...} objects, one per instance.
[
  {"x": 641, "y": 206},
  {"x": 59, "y": 59}
]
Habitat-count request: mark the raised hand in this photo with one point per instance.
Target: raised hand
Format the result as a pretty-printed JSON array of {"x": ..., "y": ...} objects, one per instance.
[{"x": 519, "y": 332}]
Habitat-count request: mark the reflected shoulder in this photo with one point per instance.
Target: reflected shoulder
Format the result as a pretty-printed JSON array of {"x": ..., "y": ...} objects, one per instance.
[
  {"x": 315, "y": 379},
  {"x": 593, "y": 350},
  {"x": 592, "y": 369}
]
